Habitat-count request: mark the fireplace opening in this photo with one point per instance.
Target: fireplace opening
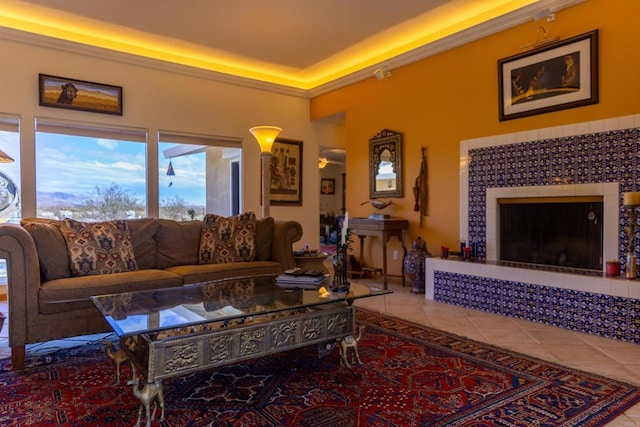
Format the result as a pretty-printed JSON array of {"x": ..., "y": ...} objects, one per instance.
[{"x": 563, "y": 232}]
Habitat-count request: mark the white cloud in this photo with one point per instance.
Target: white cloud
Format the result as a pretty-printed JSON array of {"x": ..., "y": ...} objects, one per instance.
[{"x": 109, "y": 144}]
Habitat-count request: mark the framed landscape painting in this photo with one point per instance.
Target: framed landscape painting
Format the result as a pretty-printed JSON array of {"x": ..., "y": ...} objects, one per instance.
[
  {"x": 561, "y": 75},
  {"x": 286, "y": 173},
  {"x": 71, "y": 94}
]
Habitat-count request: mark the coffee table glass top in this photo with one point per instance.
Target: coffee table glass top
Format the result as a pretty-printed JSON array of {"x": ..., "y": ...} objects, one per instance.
[{"x": 134, "y": 313}]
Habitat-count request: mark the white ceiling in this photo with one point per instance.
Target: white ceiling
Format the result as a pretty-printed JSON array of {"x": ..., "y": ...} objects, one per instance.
[
  {"x": 302, "y": 44},
  {"x": 289, "y": 33}
]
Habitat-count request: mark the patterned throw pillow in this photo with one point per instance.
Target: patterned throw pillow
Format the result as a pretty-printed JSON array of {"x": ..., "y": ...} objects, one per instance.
[
  {"x": 99, "y": 247},
  {"x": 230, "y": 239}
]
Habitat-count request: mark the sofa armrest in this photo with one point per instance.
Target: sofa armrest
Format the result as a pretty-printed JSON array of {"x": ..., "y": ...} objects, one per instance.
[
  {"x": 18, "y": 249},
  {"x": 285, "y": 234}
]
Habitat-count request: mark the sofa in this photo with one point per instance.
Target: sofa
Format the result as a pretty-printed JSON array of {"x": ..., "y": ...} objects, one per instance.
[{"x": 52, "y": 270}]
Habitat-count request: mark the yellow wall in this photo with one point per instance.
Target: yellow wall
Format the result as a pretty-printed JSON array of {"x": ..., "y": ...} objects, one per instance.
[{"x": 453, "y": 96}]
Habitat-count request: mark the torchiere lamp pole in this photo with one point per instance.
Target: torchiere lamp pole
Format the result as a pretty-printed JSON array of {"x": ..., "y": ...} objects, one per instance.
[
  {"x": 266, "y": 136},
  {"x": 631, "y": 200}
]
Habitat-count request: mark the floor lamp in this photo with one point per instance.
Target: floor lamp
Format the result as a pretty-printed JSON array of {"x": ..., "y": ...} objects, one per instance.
[
  {"x": 266, "y": 136},
  {"x": 631, "y": 200}
]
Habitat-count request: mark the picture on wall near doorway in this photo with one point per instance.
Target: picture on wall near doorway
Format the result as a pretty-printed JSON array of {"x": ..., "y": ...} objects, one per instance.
[
  {"x": 327, "y": 186},
  {"x": 557, "y": 76},
  {"x": 286, "y": 173},
  {"x": 71, "y": 94}
]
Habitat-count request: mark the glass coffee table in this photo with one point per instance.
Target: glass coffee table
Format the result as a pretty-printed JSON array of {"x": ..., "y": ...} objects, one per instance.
[{"x": 177, "y": 331}]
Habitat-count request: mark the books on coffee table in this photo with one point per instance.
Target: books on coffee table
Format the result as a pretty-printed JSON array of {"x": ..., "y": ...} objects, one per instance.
[{"x": 298, "y": 278}]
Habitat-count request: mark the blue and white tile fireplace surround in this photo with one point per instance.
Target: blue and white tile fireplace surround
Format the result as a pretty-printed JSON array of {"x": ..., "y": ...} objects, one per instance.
[{"x": 600, "y": 158}]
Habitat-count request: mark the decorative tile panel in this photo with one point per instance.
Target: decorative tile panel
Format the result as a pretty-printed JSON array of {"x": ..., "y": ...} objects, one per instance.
[
  {"x": 597, "y": 314},
  {"x": 612, "y": 156}
]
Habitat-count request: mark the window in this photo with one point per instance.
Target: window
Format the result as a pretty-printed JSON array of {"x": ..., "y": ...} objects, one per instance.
[
  {"x": 198, "y": 174},
  {"x": 90, "y": 172},
  {"x": 10, "y": 209}
]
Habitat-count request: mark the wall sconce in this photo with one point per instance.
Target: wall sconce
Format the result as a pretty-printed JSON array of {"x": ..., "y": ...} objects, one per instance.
[
  {"x": 631, "y": 200},
  {"x": 323, "y": 162},
  {"x": 266, "y": 136}
]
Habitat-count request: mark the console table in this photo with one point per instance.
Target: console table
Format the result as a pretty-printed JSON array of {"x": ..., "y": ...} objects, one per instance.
[{"x": 383, "y": 229}]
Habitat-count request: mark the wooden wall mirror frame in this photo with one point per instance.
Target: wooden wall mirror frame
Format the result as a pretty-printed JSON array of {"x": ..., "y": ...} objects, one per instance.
[{"x": 385, "y": 148}]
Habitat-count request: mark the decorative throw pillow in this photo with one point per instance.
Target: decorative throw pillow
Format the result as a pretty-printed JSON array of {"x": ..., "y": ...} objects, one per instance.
[
  {"x": 99, "y": 247},
  {"x": 230, "y": 239}
]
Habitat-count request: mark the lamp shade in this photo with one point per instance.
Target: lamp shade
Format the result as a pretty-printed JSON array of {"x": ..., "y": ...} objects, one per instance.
[
  {"x": 5, "y": 158},
  {"x": 265, "y": 135}
]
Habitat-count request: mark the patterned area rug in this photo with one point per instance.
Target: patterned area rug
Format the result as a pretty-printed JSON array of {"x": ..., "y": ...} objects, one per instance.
[{"x": 412, "y": 376}]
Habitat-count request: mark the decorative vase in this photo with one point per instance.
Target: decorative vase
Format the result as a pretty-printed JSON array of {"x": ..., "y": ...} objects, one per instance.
[
  {"x": 630, "y": 268},
  {"x": 414, "y": 265}
]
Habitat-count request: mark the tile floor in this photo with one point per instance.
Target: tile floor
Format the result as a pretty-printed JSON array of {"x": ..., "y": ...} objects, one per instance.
[{"x": 604, "y": 356}]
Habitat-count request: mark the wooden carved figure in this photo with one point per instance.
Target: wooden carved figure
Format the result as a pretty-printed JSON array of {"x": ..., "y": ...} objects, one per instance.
[
  {"x": 151, "y": 392},
  {"x": 117, "y": 358},
  {"x": 350, "y": 343}
]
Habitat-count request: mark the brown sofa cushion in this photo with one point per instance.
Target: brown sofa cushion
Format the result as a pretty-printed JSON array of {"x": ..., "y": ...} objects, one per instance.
[
  {"x": 143, "y": 233},
  {"x": 264, "y": 236},
  {"x": 231, "y": 239},
  {"x": 73, "y": 293},
  {"x": 98, "y": 247},
  {"x": 52, "y": 249},
  {"x": 177, "y": 243},
  {"x": 208, "y": 272}
]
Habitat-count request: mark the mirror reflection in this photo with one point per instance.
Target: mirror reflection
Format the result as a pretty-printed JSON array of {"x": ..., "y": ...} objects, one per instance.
[
  {"x": 386, "y": 176},
  {"x": 385, "y": 168}
]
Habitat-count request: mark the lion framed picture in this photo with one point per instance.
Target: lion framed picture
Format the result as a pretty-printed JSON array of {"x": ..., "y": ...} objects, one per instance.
[{"x": 72, "y": 94}]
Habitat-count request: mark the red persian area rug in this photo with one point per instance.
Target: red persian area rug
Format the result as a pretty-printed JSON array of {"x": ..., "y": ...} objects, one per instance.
[{"x": 412, "y": 376}]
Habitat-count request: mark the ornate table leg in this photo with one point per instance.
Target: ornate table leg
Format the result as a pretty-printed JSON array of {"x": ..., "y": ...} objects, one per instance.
[
  {"x": 117, "y": 358},
  {"x": 350, "y": 343},
  {"x": 150, "y": 393}
]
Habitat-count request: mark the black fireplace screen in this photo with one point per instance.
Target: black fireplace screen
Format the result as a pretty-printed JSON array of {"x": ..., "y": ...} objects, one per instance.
[{"x": 552, "y": 233}]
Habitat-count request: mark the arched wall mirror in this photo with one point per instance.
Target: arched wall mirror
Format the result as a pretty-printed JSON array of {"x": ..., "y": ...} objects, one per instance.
[{"x": 385, "y": 165}]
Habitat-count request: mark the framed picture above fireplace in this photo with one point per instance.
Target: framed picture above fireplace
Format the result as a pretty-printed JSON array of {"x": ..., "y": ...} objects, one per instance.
[{"x": 558, "y": 76}]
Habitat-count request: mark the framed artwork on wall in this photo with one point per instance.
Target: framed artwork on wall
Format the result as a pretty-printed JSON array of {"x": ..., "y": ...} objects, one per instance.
[
  {"x": 327, "y": 186},
  {"x": 558, "y": 76},
  {"x": 286, "y": 173},
  {"x": 71, "y": 94}
]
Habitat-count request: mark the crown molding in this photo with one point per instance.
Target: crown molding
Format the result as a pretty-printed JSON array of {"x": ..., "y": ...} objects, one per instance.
[
  {"x": 469, "y": 35},
  {"x": 46, "y": 42},
  {"x": 488, "y": 28}
]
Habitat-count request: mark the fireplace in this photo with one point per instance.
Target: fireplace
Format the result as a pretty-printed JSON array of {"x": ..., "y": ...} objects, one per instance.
[
  {"x": 593, "y": 159},
  {"x": 605, "y": 195},
  {"x": 553, "y": 231}
]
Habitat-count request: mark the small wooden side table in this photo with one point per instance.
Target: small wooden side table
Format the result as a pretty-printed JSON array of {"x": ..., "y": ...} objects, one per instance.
[
  {"x": 383, "y": 229},
  {"x": 312, "y": 262}
]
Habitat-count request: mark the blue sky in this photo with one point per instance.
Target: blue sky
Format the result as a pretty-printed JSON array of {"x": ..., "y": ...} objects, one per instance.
[{"x": 76, "y": 165}]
